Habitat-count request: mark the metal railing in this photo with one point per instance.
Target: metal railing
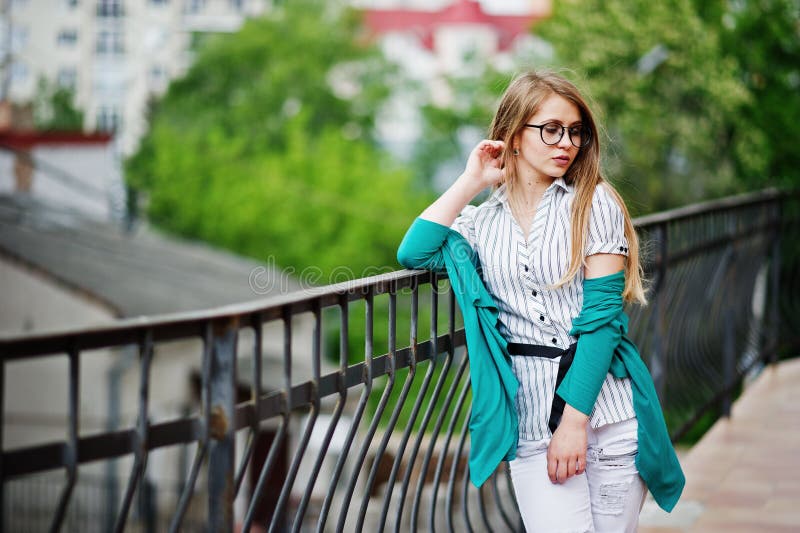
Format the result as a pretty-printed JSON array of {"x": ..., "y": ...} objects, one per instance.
[{"x": 382, "y": 443}]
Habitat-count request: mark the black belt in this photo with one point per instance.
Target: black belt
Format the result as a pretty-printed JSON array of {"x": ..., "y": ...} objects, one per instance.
[{"x": 550, "y": 352}]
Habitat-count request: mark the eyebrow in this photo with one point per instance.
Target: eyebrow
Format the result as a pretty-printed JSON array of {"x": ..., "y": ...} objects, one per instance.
[{"x": 575, "y": 123}]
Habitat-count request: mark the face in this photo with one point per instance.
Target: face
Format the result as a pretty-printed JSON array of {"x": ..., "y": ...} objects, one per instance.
[{"x": 538, "y": 160}]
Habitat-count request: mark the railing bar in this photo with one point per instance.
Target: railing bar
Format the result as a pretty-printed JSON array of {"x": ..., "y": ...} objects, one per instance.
[
  {"x": 266, "y": 471},
  {"x": 277, "y": 516},
  {"x": 712, "y": 207},
  {"x": 257, "y": 326},
  {"x": 482, "y": 505},
  {"x": 359, "y": 413},
  {"x": 188, "y": 488},
  {"x": 404, "y": 440},
  {"x": 282, "y": 401},
  {"x": 449, "y": 434},
  {"x": 704, "y": 247},
  {"x": 45, "y": 457},
  {"x": 462, "y": 400},
  {"x": 412, "y": 364},
  {"x": 71, "y": 449},
  {"x": 423, "y": 390},
  {"x": 434, "y": 436},
  {"x": 390, "y": 371},
  {"x": 442, "y": 415},
  {"x": 175, "y": 326},
  {"x": 510, "y": 487},
  {"x": 344, "y": 348},
  {"x": 140, "y": 437},
  {"x": 498, "y": 503},
  {"x": 434, "y": 323},
  {"x": 465, "y": 480},
  {"x": 203, "y": 444}
]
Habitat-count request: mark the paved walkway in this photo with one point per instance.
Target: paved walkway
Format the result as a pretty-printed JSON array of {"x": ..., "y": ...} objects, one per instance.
[{"x": 744, "y": 474}]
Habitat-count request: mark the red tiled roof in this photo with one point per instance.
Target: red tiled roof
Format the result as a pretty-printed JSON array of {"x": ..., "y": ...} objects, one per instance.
[
  {"x": 423, "y": 23},
  {"x": 28, "y": 139}
]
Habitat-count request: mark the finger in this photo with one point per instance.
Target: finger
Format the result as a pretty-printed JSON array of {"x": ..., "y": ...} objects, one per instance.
[
  {"x": 551, "y": 469},
  {"x": 580, "y": 466},
  {"x": 562, "y": 473}
]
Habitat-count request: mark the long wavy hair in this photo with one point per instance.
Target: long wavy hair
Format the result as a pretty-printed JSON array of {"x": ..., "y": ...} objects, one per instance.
[{"x": 521, "y": 100}]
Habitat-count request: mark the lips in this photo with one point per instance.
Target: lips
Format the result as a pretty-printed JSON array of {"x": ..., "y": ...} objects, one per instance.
[{"x": 561, "y": 160}]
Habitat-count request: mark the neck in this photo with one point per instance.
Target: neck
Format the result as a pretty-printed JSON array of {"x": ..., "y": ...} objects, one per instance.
[{"x": 532, "y": 187}]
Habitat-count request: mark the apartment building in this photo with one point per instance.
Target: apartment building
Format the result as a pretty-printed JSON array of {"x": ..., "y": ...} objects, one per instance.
[{"x": 115, "y": 54}]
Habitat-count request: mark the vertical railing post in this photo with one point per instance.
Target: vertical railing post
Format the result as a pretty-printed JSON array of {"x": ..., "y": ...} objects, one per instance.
[
  {"x": 728, "y": 361},
  {"x": 658, "y": 360},
  {"x": 774, "y": 329},
  {"x": 221, "y": 461}
]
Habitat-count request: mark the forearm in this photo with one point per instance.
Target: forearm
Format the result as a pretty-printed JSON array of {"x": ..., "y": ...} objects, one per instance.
[
  {"x": 585, "y": 378},
  {"x": 449, "y": 205}
]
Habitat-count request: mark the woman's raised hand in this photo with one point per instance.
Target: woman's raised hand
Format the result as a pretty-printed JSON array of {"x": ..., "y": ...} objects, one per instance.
[{"x": 484, "y": 165}]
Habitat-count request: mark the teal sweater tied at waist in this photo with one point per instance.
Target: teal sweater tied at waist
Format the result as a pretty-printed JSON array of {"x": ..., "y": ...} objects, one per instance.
[
  {"x": 493, "y": 421},
  {"x": 602, "y": 347}
]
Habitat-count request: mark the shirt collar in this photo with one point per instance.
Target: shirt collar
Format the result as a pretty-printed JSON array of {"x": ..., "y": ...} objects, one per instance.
[{"x": 563, "y": 184}]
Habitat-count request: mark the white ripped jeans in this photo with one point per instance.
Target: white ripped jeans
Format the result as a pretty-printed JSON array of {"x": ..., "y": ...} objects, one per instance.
[{"x": 606, "y": 498}]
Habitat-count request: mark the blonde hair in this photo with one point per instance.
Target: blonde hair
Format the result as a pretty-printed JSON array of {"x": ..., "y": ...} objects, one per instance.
[{"x": 521, "y": 100}]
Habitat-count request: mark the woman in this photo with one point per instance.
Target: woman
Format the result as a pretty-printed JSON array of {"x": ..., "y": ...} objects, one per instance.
[{"x": 556, "y": 249}]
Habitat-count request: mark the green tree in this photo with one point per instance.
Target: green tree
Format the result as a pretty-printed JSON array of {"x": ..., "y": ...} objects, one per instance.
[
  {"x": 669, "y": 95},
  {"x": 266, "y": 147},
  {"x": 54, "y": 108},
  {"x": 764, "y": 38}
]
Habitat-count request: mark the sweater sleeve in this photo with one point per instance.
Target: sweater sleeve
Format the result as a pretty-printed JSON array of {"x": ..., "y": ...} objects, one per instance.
[
  {"x": 422, "y": 247},
  {"x": 599, "y": 335}
]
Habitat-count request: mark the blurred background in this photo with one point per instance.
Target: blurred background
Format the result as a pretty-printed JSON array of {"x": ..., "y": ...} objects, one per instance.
[
  {"x": 236, "y": 122},
  {"x": 161, "y": 156}
]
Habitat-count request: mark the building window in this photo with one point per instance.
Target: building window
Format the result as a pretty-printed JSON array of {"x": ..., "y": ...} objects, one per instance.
[
  {"x": 195, "y": 6},
  {"x": 159, "y": 2},
  {"x": 67, "y": 37},
  {"x": 110, "y": 42},
  {"x": 236, "y": 5},
  {"x": 67, "y": 78},
  {"x": 108, "y": 118},
  {"x": 158, "y": 77},
  {"x": 71, "y": 3},
  {"x": 19, "y": 38},
  {"x": 109, "y": 8},
  {"x": 19, "y": 72}
]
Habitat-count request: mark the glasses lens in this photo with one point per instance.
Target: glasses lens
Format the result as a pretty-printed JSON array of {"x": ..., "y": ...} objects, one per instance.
[
  {"x": 551, "y": 133},
  {"x": 579, "y": 136}
]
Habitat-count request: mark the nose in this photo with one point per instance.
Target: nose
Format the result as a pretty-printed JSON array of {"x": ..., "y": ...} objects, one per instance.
[{"x": 565, "y": 141}]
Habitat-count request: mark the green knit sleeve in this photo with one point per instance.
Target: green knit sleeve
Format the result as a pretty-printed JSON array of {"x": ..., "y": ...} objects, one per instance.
[{"x": 599, "y": 333}]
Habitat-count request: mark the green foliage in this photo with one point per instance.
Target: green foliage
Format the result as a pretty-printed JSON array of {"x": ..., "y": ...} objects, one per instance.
[
  {"x": 697, "y": 99},
  {"x": 255, "y": 151},
  {"x": 668, "y": 93},
  {"x": 764, "y": 38},
  {"x": 54, "y": 109}
]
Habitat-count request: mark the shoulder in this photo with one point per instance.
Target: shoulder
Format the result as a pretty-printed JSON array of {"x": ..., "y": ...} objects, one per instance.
[{"x": 605, "y": 197}]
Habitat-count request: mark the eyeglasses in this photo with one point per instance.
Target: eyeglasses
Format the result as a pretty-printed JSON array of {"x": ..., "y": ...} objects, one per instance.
[{"x": 553, "y": 132}]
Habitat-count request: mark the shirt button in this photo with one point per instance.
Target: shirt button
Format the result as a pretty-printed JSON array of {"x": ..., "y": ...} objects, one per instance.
[
  {"x": 553, "y": 340},
  {"x": 526, "y": 268},
  {"x": 541, "y": 317},
  {"x": 534, "y": 292}
]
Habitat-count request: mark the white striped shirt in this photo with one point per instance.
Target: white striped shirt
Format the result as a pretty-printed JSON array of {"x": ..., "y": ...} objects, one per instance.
[{"x": 518, "y": 273}]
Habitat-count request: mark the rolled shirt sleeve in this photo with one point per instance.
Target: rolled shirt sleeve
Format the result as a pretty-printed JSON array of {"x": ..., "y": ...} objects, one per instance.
[{"x": 606, "y": 225}]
